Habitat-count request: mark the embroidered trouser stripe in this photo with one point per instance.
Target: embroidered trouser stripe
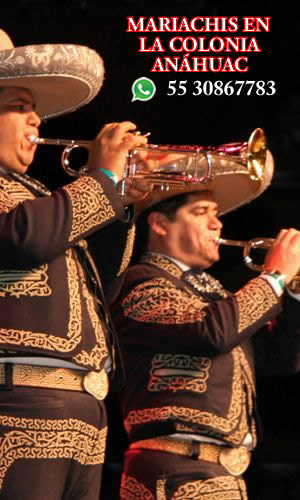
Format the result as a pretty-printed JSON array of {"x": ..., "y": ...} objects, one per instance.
[{"x": 50, "y": 440}]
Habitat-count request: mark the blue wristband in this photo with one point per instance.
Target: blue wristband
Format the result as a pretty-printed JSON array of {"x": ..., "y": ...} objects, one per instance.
[{"x": 110, "y": 174}]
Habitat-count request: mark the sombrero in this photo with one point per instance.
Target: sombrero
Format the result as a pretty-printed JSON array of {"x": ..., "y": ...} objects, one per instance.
[
  {"x": 61, "y": 77},
  {"x": 234, "y": 179}
]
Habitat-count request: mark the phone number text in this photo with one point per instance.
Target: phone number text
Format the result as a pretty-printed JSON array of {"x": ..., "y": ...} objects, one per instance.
[{"x": 219, "y": 88}]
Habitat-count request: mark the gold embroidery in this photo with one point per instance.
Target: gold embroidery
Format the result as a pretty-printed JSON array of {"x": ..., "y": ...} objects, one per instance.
[
  {"x": 254, "y": 300},
  {"x": 100, "y": 351},
  {"x": 251, "y": 392},
  {"x": 12, "y": 193},
  {"x": 128, "y": 251},
  {"x": 17, "y": 283},
  {"x": 50, "y": 439},
  {"x": 179, "y": 372},
  {"x": 6, "y": 203},
  {"x": 222, "y": 487},
  {"x": 45, "y": 376},
  {"x": 159, "y": 301},
  {"x": 48, "y": 341},
  {"x": 161, "y": 489},
  {"x": 247, "y": 370},
  {"x": 90, "y": 206},
  {"x": 33, "y": 282},
  {"x": 162, "y": 262},
  {"x": 209, "y": 452},
  {"x": 131, "y": 489},
  {"x": 189, "y": 416}
]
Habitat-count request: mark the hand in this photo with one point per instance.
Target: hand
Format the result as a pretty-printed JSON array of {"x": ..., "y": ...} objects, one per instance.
[
  {"x": 110, "y": 148},
  {"x": 135, "y": 190},
  {"x": 284, "y": 255}
]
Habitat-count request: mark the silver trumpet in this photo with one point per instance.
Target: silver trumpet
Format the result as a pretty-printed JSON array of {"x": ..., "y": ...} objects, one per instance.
[
  {"x": 70, "y": 145},
  {"x": 172, "y": 166},
  {"x": 261, "y": 243}
]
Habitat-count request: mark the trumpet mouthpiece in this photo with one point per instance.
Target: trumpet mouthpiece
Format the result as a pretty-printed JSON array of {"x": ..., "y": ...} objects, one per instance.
[{"x": 33, "y": 139}]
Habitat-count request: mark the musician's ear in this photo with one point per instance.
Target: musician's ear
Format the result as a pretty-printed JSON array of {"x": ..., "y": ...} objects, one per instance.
[{"x": 158, "y": 223}]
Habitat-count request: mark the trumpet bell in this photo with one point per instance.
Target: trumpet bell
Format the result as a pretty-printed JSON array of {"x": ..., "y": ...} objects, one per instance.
[
  {"x": 234, "y": 173},
  {"x": 171, "y": 166}
]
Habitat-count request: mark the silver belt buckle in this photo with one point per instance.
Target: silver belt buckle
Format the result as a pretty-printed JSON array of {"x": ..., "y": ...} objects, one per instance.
[
  {"x": 235, "y": 460},
  {"x": 96, "y": 384}
]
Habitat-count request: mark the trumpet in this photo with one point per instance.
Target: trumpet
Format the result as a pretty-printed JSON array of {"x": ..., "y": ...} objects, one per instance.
[
  {"x": 260, "y": 243},
  {"x": 70, "y": 145},
  {"x": 171, "y": 166}
]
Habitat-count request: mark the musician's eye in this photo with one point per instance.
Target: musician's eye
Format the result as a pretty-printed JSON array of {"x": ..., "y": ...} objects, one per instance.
[
  {"x": 20, "y": 107},
  {"x": 200, "y": 211}
]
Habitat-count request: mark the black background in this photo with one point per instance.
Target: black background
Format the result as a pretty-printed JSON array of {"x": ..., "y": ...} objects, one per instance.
[{"x": 190, "y": 119}]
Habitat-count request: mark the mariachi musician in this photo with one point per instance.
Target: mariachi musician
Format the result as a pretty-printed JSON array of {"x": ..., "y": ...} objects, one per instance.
[
  {"x": 57, "y": 345},
  {"x": 190, "y": 346}
]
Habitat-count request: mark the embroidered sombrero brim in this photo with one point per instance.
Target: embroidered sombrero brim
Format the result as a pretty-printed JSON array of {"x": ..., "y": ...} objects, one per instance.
[
  {"x": 61, "y": 78},
  {"x": 230, "y": 184}
]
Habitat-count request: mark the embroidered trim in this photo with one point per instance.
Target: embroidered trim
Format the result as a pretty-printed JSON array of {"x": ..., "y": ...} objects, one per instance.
[
  {"x": 90, "y": 206},
  {"x": 131, "y": 489},
  {"x": 12, "y": 193},
  {"x": 17, "y": 283},
  {"x": 254, "y": 300},
  {"x": 221, "y": 487},
  {"x": 40, "y": 340},
  {"x": 29, "y": 181},
  {"x": 159, "y": 301},
  {"x": 179, "y": 372},
  {"x": 100, "y": 351},
  {"x": 234, "y": 422},
  {"x": 128, "y": 251},
  {"x": 161, "y": 489},
  {"x": 50, "y": 439},
  {"x": 163, "y": 263},
  {"x": 251, "y": 392}
]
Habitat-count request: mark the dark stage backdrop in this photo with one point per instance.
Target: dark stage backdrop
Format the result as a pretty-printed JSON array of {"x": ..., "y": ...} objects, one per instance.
[{"x": 191, "y": 119}]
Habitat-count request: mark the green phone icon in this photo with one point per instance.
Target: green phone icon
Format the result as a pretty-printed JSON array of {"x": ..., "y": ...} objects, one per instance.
[{"x": 143, "y": 89}]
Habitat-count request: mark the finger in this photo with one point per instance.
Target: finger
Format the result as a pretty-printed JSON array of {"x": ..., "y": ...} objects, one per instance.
[
  {"x": 133, "y": 197},
  {"x": 131, "y": 141},
  {"x": 138, "y": 185},
  {"x": 106, "y": 128},
  {"x": 121, "y": 130},
  {"x": 283, "y": 236},
  {"x": 142, "y": 185},
  {"x": 295, "y": 240}
]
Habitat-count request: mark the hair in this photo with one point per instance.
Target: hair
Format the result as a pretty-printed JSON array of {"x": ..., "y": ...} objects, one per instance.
[{"x": 167, "y": 207}]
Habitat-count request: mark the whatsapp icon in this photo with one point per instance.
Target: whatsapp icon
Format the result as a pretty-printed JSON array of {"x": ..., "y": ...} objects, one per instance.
[{"x": 143, "y": 89}]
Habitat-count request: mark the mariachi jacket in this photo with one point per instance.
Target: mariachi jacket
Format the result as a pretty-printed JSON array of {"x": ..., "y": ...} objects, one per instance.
[
  {"x": 51, "y": 300},
  {"x": 188, "y": 354}
]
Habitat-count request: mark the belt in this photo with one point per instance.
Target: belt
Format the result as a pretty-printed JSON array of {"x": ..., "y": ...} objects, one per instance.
[
  {"x": 95, "y": 383},
  {"x": 234, "y": 460},
  {"x": 40, "y": 361}
]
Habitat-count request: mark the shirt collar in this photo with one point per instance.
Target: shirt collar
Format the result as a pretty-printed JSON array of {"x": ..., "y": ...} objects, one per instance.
[{"x": 184, "y": 267}]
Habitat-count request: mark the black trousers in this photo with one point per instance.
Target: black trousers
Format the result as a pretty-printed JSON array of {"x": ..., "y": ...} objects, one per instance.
[
  {"x": 159, "y": 475},
  {"x": 52, "y": 444}
]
